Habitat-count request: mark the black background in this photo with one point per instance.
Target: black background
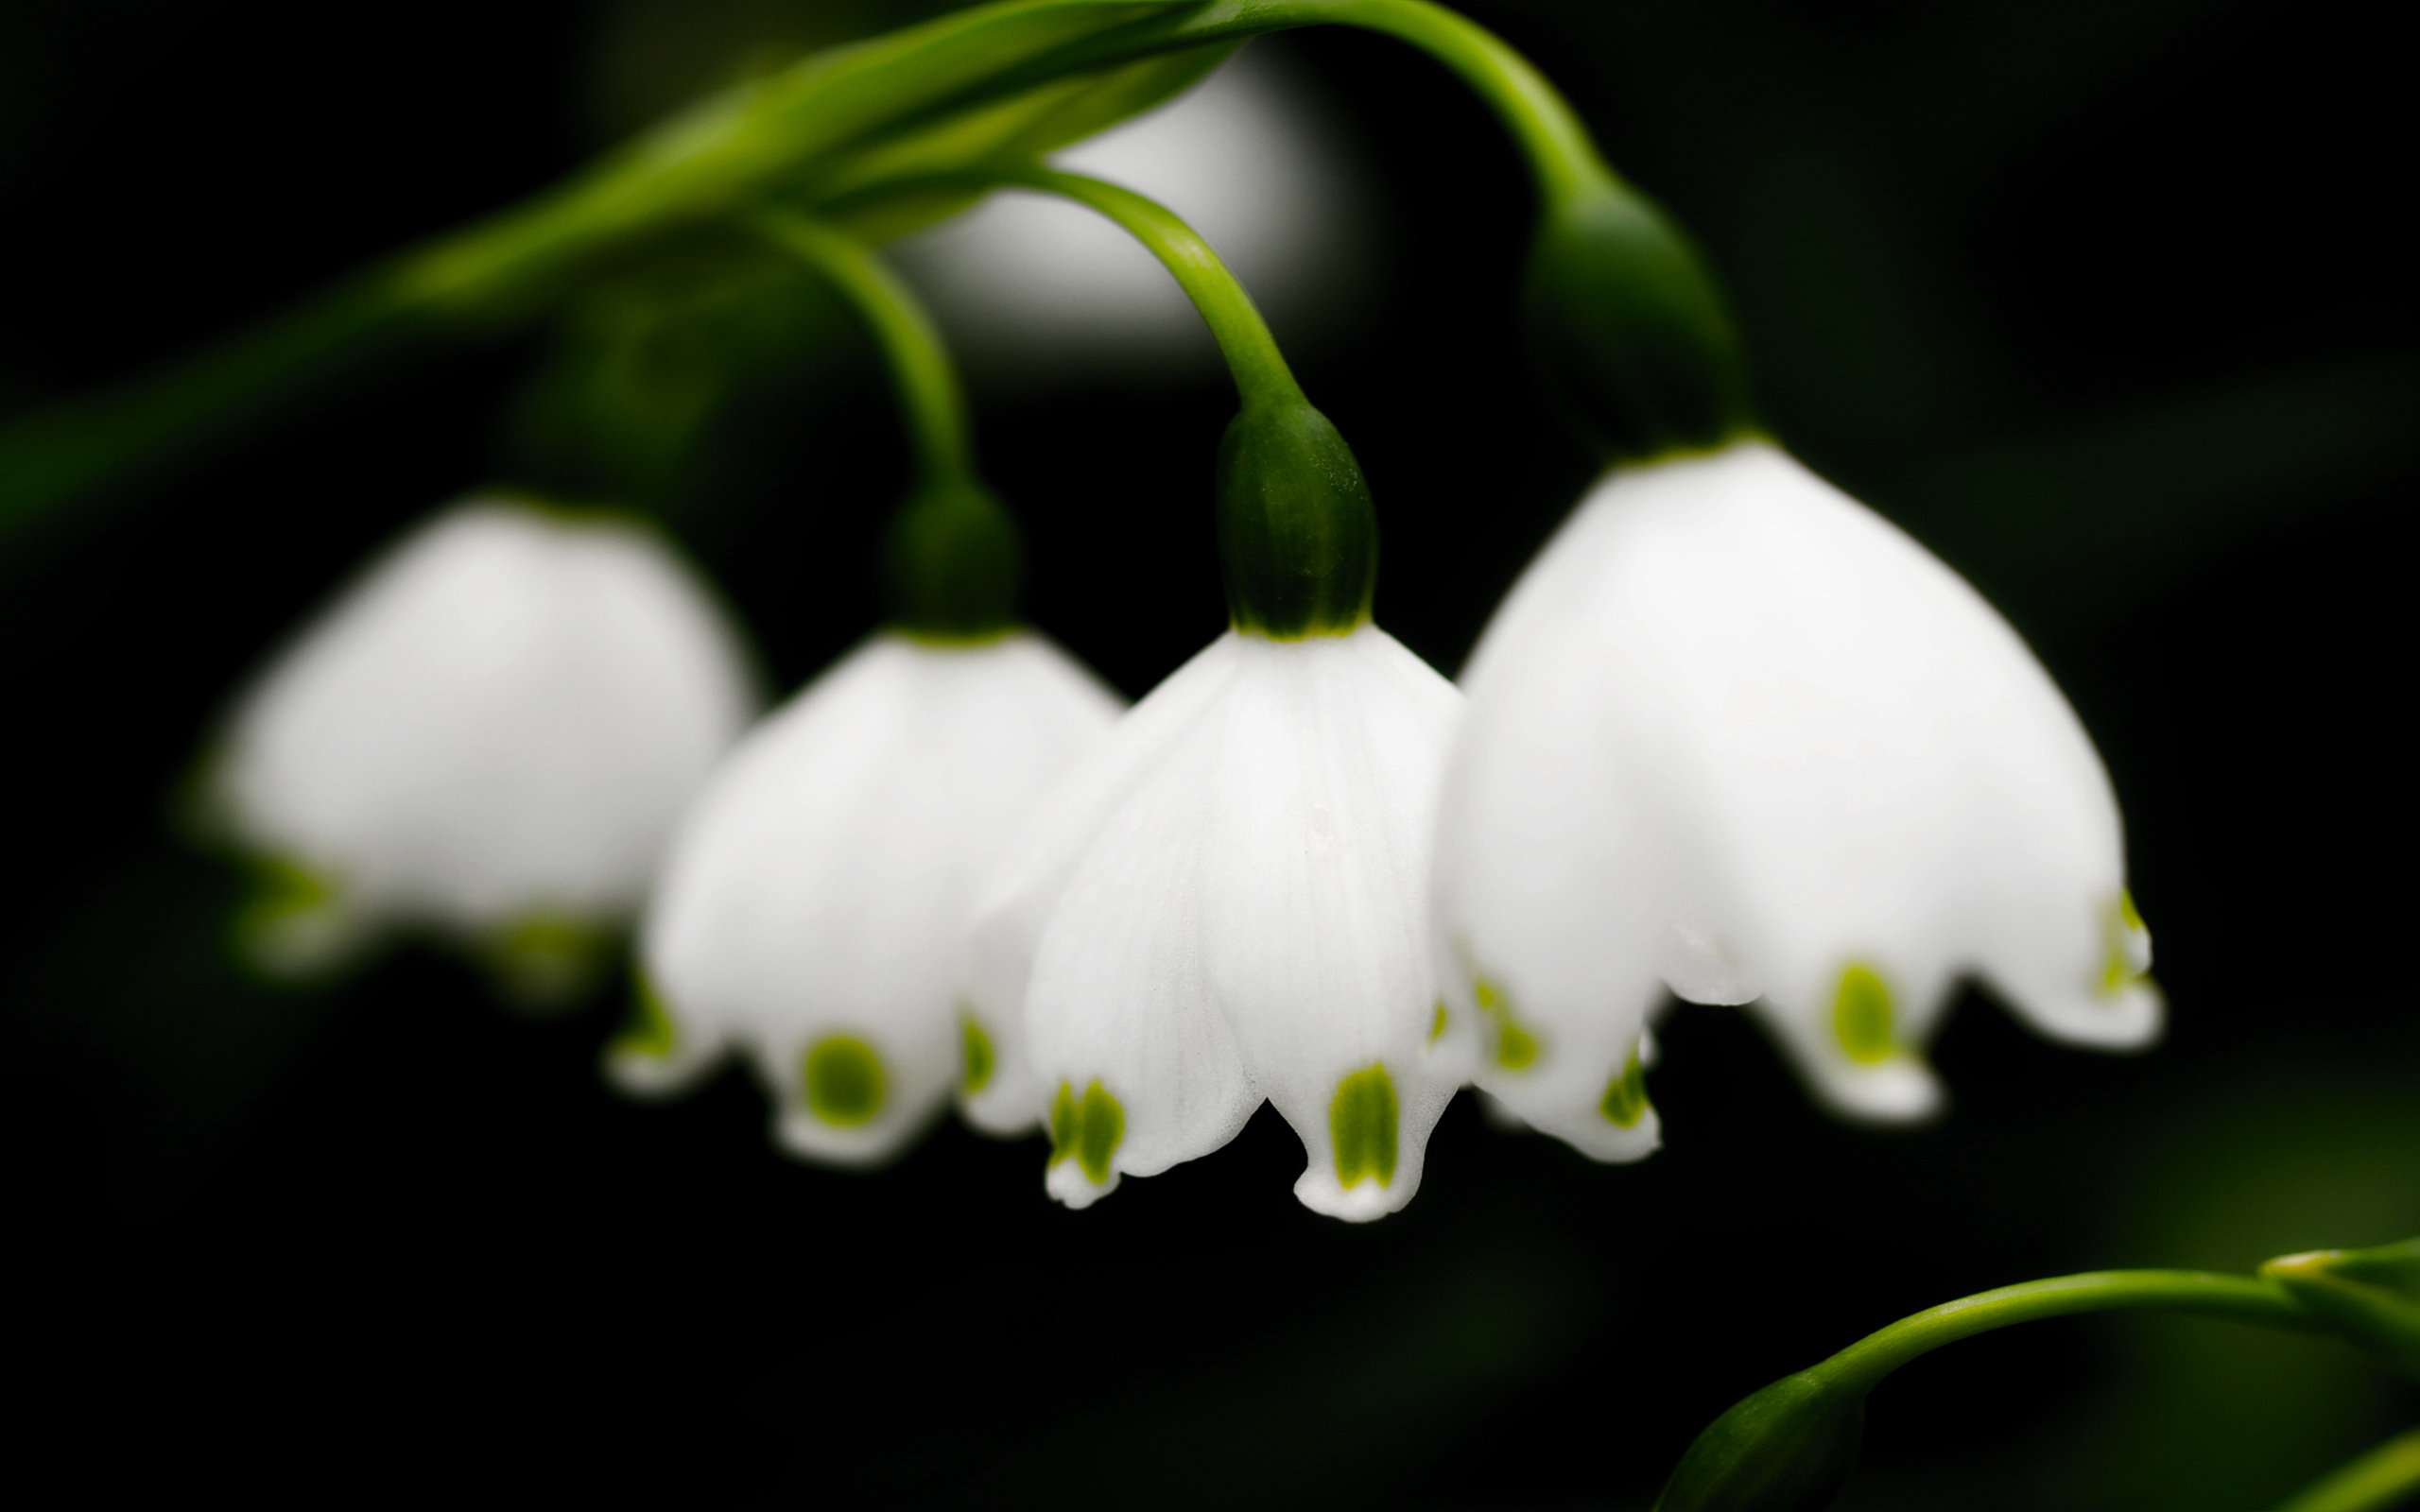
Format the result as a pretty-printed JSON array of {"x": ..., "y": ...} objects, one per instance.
[{"x": 2111, "y": 303}]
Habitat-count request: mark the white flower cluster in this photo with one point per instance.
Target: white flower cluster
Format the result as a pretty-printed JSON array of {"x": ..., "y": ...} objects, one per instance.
[{"x": 1732, "y": 738}]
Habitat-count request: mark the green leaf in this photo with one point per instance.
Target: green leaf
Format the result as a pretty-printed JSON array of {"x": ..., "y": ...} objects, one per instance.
[
  {"x": 860, "y": 191},
  {"x": 732, "y": 148}
]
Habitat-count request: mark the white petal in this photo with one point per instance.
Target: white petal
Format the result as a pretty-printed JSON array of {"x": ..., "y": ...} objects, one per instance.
[
  {"x": 815, "y": 904},
  {"x": 1025, "y": 889},
  {"x": 1548, "y": 914},
  {"x": 1836, "y": 776},
  {"x": 494, "y": 729},
  {"x": 1315, "y": 920},
  {"x": 1592, "y": 1134},
  {"x": 1120, "y": 1006},
  {"x": 1115, "y": 993}
]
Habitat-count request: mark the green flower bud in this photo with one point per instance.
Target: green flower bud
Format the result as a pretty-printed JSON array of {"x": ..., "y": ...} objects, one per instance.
[
  {"x": 1789, "y": 1447},
  {"x": 1629, "y": 333},
  {"x": 2371, "y": 1297},
  {"x": 1296, "y": 529},
  {"x": 954, "y": 561}
]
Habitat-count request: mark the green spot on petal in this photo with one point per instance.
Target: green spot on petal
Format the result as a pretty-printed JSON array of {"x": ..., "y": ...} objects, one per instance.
[
  {"x": 1626, "y": 1101},
  {"x": 1437, "y": 1024},
  {"x": 1861, "y": 1016},
  {"x": 979, "y": 1053},
  {"x": 1104, "y": 1127},
  {"x": 1088, "y": 1129},
  {"x": 2115, "y": 972},
  {"x": 1515, "y": 1046},
  {"x": 282, "y": 889},
  {"x": 650, "y": 1031},
  {"x": 1361, "y": 1123},
  {"x": 1062, "y": 1124},
  {"x": 546, "y": 960},
  {"x": 2119, "y": 925},
  {"x": 844, "y": 1081},
  {"x": 293, "y": 922}
]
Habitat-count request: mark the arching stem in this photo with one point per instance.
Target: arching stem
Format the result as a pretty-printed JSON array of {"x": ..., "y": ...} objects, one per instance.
[
  {"x": 1562, "y": 157},
  {"x": 2242, "y": 1298},
  {"x": 1260, "y": 373},
  {"x": 931, "y": 401}
]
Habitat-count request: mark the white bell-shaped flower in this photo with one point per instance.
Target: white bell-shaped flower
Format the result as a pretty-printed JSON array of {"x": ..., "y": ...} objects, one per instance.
[
  {"x": 489, "y": 735},
  {"x": 1734, "y": 736},
  {"x": 1229, "y": 903},
  {"x": 814, "y": 909}
]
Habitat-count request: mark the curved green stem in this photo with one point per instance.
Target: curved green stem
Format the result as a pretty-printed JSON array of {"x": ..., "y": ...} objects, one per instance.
[
  {"x": 1796, "y": 1442},
  {"x": 2378, "y": 1481},
  {"x": 1562, "y": 155},
  {"x": 2239, "y": 1298},
  {"x": 1260, "y": 373},
  {"x": 886, "y": 98},
  {"x": 930, "y": 397},
  {"x": 835, "y": 124}
]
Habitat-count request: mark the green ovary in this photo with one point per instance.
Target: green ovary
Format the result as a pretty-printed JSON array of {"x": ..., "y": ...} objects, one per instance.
[
  {"x": 844, "y": 1081},
  {"x": 979, "y": 1053},
  {"x": 1861, "y": 1016},
  {"x": 1361, "y": 1123},
  {"x": 650, "y": 1031},
  {"x": 1516, "y": 1047},
  {"x": 1088, "y": 1129},
  {"x": 1626, "y": 1101}
]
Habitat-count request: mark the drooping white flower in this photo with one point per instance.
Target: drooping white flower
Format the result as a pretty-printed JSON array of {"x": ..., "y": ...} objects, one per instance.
[
  {"x": 814, "y": 909},
  {"x": 1243, "y": 156},
  {"x": 489, "y": 735},
  {"x": 1736, "y": 735},
  {"x": 1227, "y": 904}
]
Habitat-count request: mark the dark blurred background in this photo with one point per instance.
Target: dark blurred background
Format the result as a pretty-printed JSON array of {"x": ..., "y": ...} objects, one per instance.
[{"x": 2109, "y": 302}]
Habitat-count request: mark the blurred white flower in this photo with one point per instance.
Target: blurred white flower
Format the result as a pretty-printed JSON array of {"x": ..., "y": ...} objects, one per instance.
[
  {"x": 1243, "y": 157},
  {"x": 1734, "y": 736},
  {"x": 489, "y": 735},
  {"x": 1229, "y": 903},
  {"x": 814, "y": 908}
]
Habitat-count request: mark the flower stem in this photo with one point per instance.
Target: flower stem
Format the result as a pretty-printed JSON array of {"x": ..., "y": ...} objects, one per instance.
[
  {"x": 2376, "y": 1482},
  {"x": 952, "y": 557},
  {"x": 1297, "y": 533},
  {"x": 1260, "y": 373},
  {"x": 2244, "y": 1298},
  {"x": 1563, "y": 158},
  {"x": 511, "y": 267},
  {"x": 1796, "y": 1442},
  {"x": 931, "y": 401},
  {"x": 722, "y": 154}
]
